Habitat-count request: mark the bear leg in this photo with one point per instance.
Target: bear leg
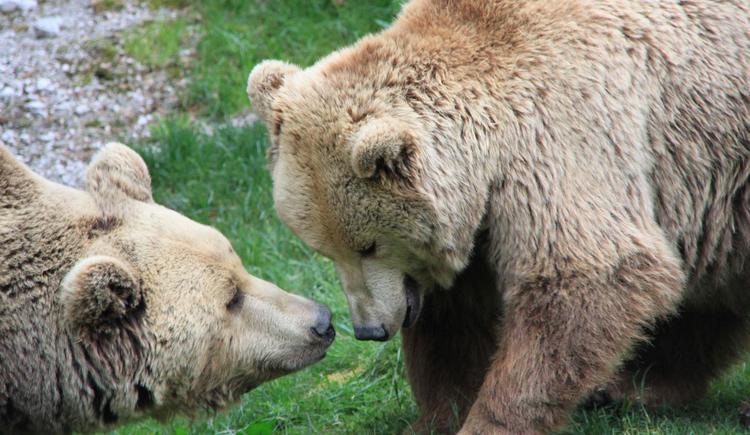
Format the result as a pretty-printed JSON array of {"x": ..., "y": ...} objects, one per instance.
[
  {"x": 564, "y": 332},
  {"x": 448, "y": 350}
]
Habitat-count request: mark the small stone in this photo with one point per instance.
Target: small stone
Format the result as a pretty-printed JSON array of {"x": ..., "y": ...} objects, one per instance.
[
  {"x": 43, "y": 84},
  {"x": 81, "y": 109},
  {"x": 8, "y": 136},
  {"x": 47, "y": 137},
  {"x": 35, "y": 107},
  {"x": 143, "y": 120},
  {"x": 48, "y": 27},
  {"x": 7, "y": 93},
  {"x": 63, "y": 107}
]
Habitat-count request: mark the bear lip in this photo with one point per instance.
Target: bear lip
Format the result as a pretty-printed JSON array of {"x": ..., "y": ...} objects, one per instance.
[{"x": 413, "y": 301}]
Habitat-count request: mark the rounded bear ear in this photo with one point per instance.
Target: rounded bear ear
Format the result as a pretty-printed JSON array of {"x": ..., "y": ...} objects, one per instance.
[
  {"x": 384, "y": 146},
  {"x": 115, "y": 174},
  {"x": 98, "y": 293},
  {"x": 263, "y": 82}
]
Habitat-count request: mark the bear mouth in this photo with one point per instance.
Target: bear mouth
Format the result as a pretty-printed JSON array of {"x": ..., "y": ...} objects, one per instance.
[{"x": 413, "y": 301}]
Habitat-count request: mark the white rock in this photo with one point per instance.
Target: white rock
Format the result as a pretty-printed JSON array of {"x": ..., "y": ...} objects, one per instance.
[
  {"x": 48, "y": 27},
  {"x": 16, "y": 5},
  {"x": 47, "y": 137},
  {"x": 7, "y": 93},
  {"x": 36, "y": 107},
  {"x": 143, "y": 120},
  {"x": 82, "y": 109},
  {"x": 8, "y": 136},
  {"x": 63, "y": 107},
  {"x": 43, "y": 84},
  {"x": 18, "y": 85}
]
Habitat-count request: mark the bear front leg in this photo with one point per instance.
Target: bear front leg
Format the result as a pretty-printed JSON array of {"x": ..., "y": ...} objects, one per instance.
[
  {"x": 448, "y": 350},
  {"x": 565, "y": 332}
]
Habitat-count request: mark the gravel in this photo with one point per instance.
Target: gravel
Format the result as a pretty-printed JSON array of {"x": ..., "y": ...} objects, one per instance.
[
  {"x": 16, "y": 5},
  {"x": 61, "y": 99}
]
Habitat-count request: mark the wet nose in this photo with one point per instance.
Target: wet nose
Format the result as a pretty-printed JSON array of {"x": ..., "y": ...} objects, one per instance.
[
  {"x": 375, "y": 333},
  {"x": 323, "y": 327}
]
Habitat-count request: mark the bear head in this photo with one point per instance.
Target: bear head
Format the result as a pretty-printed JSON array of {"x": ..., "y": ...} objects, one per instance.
[
  {"x": 168, "y": 305},
  {"x": 361, "y": 177}
]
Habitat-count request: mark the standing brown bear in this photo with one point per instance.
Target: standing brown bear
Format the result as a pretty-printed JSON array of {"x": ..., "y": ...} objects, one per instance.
[{"x": 548, "y": 195}]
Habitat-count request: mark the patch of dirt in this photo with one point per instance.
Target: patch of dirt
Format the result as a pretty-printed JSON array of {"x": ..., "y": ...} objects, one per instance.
[{"x": 67, "y": 91}]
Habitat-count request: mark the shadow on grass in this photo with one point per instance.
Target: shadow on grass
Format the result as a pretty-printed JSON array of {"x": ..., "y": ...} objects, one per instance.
[{"x": 718, "y": 413}]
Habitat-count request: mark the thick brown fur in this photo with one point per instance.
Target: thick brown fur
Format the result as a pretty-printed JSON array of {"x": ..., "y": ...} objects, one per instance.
[
  {"x": 113, "y": 308},
  {"x": 602, "y": 146},
  {"x": 446, "y": 356}
]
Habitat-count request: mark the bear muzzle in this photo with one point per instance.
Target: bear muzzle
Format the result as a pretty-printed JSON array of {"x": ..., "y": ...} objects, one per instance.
[
  {"x": 413, "y": 302},
  {"x": 323, "y": 329}
]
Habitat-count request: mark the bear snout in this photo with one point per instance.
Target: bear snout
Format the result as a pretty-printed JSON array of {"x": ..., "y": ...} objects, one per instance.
[
  {"x": 374, "y": 333},
  {"x": 323, "y": 329}
]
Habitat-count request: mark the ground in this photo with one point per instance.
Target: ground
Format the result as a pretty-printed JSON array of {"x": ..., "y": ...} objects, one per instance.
[
  {"x": 207, "y": 160},
  {"x": 63, "y": 96}
]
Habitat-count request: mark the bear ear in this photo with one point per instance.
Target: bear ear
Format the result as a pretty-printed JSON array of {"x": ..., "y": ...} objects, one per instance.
[
  {"x": 98, "y": 293},
  {"x": 384, "y": 146},
  {"x": 263, "y": 82},
  {"x": 115, "y": 174}
]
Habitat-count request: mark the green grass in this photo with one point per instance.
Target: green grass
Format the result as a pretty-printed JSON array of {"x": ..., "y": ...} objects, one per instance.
[
  {"x": 107, "y": 5},
  {"x": 156, "y": 44},
  {"x": 240, "y": 33},
  {"x": 221, "y": 180}
]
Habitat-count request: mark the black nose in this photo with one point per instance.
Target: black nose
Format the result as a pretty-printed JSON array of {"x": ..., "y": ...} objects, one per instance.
[
  {"x": 375, "y": 333},
  {"x": 323, "y": 327}
]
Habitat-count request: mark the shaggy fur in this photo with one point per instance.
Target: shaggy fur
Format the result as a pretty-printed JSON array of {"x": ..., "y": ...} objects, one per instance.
[
  {"x": 602, "y": 147},
  {"x": 113, "y": 308}
]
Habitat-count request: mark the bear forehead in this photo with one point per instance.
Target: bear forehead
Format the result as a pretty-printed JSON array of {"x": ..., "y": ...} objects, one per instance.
[
  {"x": 159, "y": 226},
  {"x": 302, "y": 199},
  {"x": 332, "y": 100},
  {"x": 332, "y": 210}
]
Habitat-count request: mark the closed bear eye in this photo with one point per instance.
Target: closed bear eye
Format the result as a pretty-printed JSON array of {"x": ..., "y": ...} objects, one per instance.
[
  {"x": 235, "y": 304},
  {"x": 368, "y": 251}
]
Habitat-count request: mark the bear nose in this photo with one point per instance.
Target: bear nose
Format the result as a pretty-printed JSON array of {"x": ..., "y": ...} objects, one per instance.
[
  {"x": 375, "y": 333},
  {"x": 323, "y": 327}
]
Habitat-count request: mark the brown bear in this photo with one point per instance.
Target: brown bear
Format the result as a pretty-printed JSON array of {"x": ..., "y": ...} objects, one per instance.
[
  {"x": 113, "y": 308},
  {"x": 548, "y": 195}
]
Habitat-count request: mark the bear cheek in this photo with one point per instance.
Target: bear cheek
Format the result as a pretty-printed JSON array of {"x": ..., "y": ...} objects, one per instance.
[{"x": 241, "y": 347}]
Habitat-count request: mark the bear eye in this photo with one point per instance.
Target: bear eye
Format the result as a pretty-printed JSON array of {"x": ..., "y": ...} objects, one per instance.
[
  {"x": 235, "y": 303},
  {"x": 368, "y": 251}
]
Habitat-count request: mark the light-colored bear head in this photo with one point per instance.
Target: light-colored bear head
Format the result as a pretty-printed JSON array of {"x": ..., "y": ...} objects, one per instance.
[
  {"x": 168, "y": 304},
  {"x": 358, "y": 177}
]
